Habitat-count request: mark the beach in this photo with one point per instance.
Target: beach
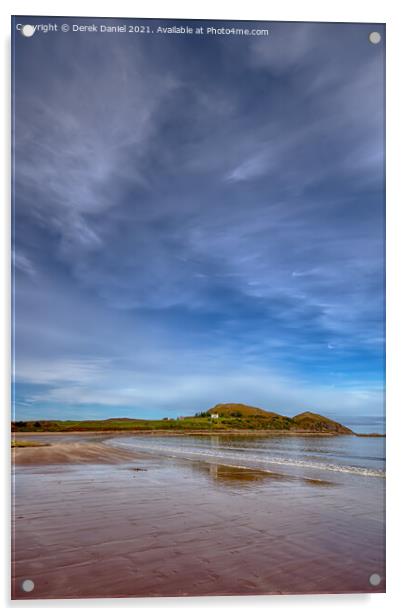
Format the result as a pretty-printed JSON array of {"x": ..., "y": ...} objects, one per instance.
[{"x": 101, "y": 516}]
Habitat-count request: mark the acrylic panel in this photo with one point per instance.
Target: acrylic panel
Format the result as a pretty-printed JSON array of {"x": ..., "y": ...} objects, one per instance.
[{"x": 198, "y": 307}]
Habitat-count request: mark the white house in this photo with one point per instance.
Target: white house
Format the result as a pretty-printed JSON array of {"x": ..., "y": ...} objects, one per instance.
[{"x": 214, "y": 416}]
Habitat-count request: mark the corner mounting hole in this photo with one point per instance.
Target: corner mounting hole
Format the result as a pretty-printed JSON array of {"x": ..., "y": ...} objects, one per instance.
[
  {"x": 27, "y": 585},
  {"x": 28, "y": 30},
  {"x": 375, "y": 38},
  {"x": 374, "y": 579}
]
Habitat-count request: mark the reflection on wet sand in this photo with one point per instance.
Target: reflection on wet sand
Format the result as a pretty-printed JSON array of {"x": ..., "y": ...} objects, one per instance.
[{"x": 234, "y": 475}]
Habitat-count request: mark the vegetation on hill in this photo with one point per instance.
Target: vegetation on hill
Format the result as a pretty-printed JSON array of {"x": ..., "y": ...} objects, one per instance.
[
  {"x": 220, "y": 418},
  {"x": 237, "y": 410},
  {"x": 319, "y": 423}
]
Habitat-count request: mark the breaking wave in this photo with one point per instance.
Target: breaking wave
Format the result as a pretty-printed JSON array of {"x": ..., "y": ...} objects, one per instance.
[{"x": 232, "y": 456}]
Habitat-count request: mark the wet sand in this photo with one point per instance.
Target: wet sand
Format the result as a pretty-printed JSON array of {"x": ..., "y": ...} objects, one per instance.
[
  {"x": 92, "y": 521},
  {"x": 78, "y": 452}
]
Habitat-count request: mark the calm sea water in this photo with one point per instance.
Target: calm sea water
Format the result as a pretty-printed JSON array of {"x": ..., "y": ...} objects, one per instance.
[
  {"x": 364, "y": 424},
  {"x": 314, "y": 455}
]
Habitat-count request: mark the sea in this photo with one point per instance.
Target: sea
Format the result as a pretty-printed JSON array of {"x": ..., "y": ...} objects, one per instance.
[{"x": 314, "y": 456}]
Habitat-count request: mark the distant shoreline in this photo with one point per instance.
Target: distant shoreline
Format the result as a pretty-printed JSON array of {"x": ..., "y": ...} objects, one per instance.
[
  {"x": 198, "y": 432},
  {"x": 228, "y": 417},
  {"x": 224, "y": 418}
]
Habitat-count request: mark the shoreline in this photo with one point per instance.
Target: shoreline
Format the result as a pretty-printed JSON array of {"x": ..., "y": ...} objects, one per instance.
[
  {"x": 100, "y": 448},
  {"x": 194, "y": 432},
  {"x": 198, "y": 433}
]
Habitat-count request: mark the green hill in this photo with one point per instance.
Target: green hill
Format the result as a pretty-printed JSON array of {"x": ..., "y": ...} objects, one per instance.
[
  {"x": 239, "y": 410},
  {"x": 254, "y": 418},
  {"x": 319, "y": 423},
  {"x": 219, "y": 418}
]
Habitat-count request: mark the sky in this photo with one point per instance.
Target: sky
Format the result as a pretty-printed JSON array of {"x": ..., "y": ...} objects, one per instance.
[{"x": 198, "y": 219}]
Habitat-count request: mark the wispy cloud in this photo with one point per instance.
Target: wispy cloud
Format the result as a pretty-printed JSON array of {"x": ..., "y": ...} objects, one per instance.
[
  {"x": 81, "y": 140},
  {"x": 22, "y": 263}
]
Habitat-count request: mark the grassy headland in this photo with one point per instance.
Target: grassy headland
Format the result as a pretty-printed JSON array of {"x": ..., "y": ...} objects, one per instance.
[{"x": 220, "y": 418}]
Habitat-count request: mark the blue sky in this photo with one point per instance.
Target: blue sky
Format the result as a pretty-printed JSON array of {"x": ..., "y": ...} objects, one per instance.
[{"x": 199, "y": 220}]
